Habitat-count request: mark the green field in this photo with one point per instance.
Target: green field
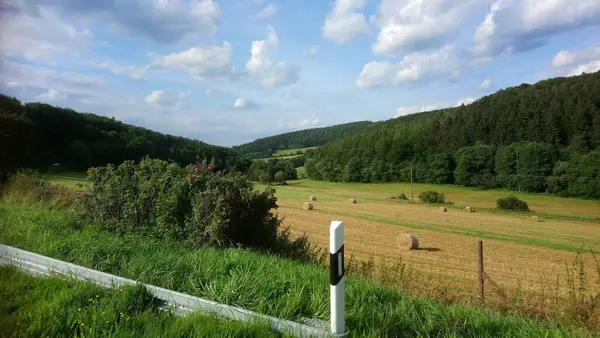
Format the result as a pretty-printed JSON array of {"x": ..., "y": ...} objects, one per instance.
[
  {"x": 255, "y": 281},
  {"x": 59, "y": 307},
  {"x": 73, "y": 180},
  {"x": 291, "y": 152}
]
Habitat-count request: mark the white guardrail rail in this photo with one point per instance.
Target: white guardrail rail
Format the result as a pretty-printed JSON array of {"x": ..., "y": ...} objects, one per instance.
[{"x": 180, "y": 303}]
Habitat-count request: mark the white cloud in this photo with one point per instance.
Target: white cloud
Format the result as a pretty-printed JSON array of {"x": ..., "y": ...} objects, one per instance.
[
  {"x": 41, "y": 78},
  {"x": 242, "y": 103},
  {"x": 207, "y": 91},
  {"x": 266, "y": 12},
  {"x": 202, "y": 62},
  {"x": 166, "y": 98},
  {"x": 310, "y": 122},
  {"x": 465, "y": 101},
  {"x": 313, "y": 50},
  {"x": 516, "y": 25},
  {"x": 401, "y": 111},
  {"x": 487, "y": 83},
  {"x": 412, "y": 25},
  {"x": 563, "y": 58},
  {"x": 407, "y": 110},
  {"x": 414, "y": 68},
  {"x": 345, "y": 21},
  {"x": 39, "y": 36},
  {"x": 163, "y": 21},
  {"x": 261, "y": 67},
  {"x": 375, "y": 73},
  {"x": 52, "y": 95},
  {"x": 572, "y": 63}
]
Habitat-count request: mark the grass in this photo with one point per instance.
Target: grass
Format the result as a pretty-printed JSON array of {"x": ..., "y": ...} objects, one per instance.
[
  {"x": 255, "y": 281},
  {"x": 73, "y": 180},
  {"x": 290, "y": 152},
  {"x": 57, "y": 307}
]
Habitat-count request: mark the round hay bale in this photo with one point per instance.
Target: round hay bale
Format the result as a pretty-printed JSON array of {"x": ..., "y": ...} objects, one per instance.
[
  {"x": 353, "y": 200},
  {"x": 408, "y": 242},
  {"x": 443, "y": 209},
  {"x": 468, "y": 210},
  {"x": 307, "y": 206},
  {"x": 312, "y": 198},
  {"x": 535, "y": 218}
]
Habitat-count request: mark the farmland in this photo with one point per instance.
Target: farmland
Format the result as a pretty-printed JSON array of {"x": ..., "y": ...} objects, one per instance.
[
  {"x": 252, "y": 280},
  {"x": 519, "y": 253},
  {"x": 373, "y": 225},
  {"x": 533, "y": 267},
  {"x": 291, "y": 152}
]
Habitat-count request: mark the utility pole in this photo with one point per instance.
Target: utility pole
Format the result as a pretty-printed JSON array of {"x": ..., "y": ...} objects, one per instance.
[{"x": 412, "y": 187}]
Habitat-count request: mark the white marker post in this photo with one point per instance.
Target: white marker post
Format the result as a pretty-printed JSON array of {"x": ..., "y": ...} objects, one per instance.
[{"x": 336, "y": 279}]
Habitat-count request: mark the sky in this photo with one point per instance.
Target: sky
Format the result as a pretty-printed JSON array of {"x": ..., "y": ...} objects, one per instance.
[{"x": 229, "y": 71}]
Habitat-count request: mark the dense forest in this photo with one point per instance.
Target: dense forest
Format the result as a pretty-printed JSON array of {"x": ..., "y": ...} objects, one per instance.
[
  {"x": 540, "y": 138},
  {"x": 264, "y": 147},
  {"x": 39, "y": 136}
]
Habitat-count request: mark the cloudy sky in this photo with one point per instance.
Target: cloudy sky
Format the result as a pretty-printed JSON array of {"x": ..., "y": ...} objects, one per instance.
[{"x": 230, "y": 71}]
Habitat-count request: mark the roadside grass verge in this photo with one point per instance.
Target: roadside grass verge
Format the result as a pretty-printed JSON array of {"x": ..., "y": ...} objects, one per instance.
[
  {"x": 54, "y": 306},
  {"x": 255, "y": 281}
]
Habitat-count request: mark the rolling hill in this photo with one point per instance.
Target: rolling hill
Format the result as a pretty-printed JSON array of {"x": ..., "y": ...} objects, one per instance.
[
  {"x": 265, "y": 147},
  {"x": 540, "y": 136}
]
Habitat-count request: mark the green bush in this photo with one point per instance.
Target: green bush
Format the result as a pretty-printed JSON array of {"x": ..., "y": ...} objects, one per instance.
[
  {"x": 279, "y": 177},
  {"x": 432, "y": 197},
  {"x": 403, "y": 197},
  {"x": 511, "y": 203},
  {"x": 193, "y": 204}
]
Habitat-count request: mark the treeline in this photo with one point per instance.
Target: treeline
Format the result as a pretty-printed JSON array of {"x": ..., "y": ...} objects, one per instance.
[
  {"x": 264, "y": 147},
  {"x": 272, "y": 170},
  {"x": 39, "y": 136},
  {"x": 538, "y": 138}
]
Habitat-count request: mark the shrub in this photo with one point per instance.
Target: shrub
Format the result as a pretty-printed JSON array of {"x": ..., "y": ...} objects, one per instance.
[
  {"x": 432, "y": 197},
  {"x": 193, "y": 204},
  {"x": 511, "y": 203},
  {"x": 403, "y": 197}
]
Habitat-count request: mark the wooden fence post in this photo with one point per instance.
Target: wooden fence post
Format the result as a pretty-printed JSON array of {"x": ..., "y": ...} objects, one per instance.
[{"x": 480, "y": 271}]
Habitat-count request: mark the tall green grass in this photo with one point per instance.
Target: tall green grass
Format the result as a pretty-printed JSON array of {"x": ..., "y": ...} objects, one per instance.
[
  {"x": 256, "y": 281},
  {"x": 57, "y": 307}
]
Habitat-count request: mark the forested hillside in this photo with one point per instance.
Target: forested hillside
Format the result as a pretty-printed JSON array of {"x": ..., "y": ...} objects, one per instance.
[
  {"x": 39, "y": 135},
  {"x": 532, "y": 138},
  {"x": 264, "y": 147}
]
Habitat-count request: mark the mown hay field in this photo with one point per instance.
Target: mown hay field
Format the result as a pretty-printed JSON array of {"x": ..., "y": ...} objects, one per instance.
[{"x": 521, "y": 255}]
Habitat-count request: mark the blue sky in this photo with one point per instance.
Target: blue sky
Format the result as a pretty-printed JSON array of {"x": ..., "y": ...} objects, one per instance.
[{"x": 230, "y": 71}]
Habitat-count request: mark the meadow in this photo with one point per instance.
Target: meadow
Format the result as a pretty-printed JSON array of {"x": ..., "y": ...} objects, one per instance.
[
  {"x": 540, "y": 268},
  {"x": 290, "y": 152}
]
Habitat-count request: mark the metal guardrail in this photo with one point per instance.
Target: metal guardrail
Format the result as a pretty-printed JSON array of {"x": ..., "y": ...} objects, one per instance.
[{"x": 180, "y": 302}]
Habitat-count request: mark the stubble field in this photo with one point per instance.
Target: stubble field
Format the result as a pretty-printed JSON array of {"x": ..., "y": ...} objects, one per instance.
[{"x": 537, "y": 262}]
